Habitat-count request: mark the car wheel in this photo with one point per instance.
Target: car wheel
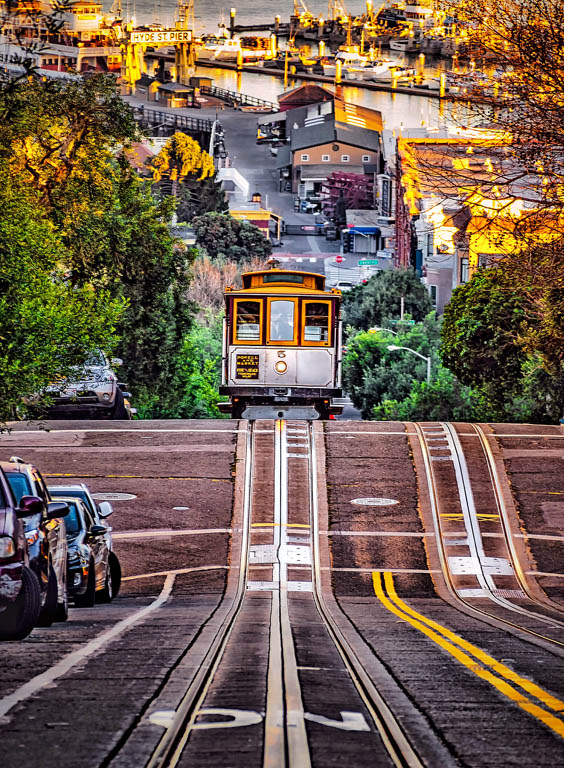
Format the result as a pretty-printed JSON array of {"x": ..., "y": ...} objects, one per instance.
[
  {"x": 19, "y": 618},
  {"x": 48, "y": 613},
  {"x": 88, "y": 599},
  {"x": 119, "y": 411},
  {"x": 115, "y": 568},
  {"x": 106, "y": 594}
]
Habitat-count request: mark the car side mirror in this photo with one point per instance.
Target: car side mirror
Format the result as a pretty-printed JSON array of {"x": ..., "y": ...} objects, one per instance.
[
  {"x": 29, "y": 505},
  {"x": 97, "y": 530},
  {"x": 57, "y": 509},
  {"x": 105, "y": 509},
  {"x": 116, "y": 361}
]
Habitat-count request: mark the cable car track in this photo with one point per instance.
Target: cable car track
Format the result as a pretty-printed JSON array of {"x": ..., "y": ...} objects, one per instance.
[
  {"x": 473, "y": 539},
  {"x": 170, "y": 746},
  {"x": 286, "y": 737}
]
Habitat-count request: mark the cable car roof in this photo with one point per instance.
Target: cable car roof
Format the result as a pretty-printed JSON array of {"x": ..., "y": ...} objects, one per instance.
[{"x": 281, "y": 281}]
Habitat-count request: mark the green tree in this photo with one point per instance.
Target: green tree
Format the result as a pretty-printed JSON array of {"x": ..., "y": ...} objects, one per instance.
[
  {"x": 480, "y": 336},
  {"x": 200, "y": 368},
  {"x": 372, "y": 373},
  {"x": 443, "y": 399},
  {"x": 379, "y": 300},
  {"x": 499, "y": 340},
  {"x": 227, "y": 238},
  {"x": 47, "y": 326}
]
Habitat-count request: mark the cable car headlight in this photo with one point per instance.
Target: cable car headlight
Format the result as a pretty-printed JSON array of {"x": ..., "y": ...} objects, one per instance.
[{"x": 280, "y": 366}]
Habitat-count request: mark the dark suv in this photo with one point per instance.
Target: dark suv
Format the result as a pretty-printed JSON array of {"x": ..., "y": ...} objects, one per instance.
[
  {"x": 20, "y": 599},
  {"x": 46, "y": 539}
]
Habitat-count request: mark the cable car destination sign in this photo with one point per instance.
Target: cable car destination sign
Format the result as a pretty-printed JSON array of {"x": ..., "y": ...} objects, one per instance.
[{"x": 163, "y": 36}]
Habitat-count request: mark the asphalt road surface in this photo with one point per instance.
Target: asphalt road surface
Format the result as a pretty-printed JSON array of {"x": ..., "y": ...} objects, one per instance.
[{"x": 338, "y": 593}]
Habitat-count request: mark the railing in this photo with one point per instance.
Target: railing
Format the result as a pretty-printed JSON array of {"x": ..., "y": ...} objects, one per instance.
[
  {"x": 155, "y": 117},
  {"x": 241, "y": 99}
]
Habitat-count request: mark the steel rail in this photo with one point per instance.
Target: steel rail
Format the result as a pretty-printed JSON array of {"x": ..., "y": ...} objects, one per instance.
[
  {"x": 506, "y": 528},
  {"x": 443, "y": 558},
  {"x": 387, "y": 725},
  {"x": 176, "y": 735}
]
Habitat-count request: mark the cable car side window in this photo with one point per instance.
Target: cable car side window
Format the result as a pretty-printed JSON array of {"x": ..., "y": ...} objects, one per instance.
[
  {"x": 282, "y": 323},
  {"x": 316, "y": 317},
  {"x": 248, "y": 317}
]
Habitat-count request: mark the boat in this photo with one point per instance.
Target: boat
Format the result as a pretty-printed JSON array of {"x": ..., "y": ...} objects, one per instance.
[
  {"x": 407, "y": 44},
  {"x": 220, "y": 48}
]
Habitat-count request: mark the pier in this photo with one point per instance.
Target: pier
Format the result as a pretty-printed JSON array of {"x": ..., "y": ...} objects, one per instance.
[
  {"x": 234, "y": 98},
  {"x": 371, "y": 86}
]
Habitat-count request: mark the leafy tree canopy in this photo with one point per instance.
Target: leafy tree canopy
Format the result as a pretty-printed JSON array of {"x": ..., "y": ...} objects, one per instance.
[
  {"x": 224, "y": 237},
  {"x": 182, "y": 157},
  {"x": 372, "y": 373},
  {"x": 47, "y": 326},
  {"x": 379, "y": 300}
]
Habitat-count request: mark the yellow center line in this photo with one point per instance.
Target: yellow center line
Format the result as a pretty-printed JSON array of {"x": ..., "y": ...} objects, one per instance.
[
  {"x": 274, "y": 525},
  {"x": 427, "y": 627}
]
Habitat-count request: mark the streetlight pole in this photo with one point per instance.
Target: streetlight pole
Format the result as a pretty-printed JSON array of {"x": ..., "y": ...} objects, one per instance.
[{"x": 392, "y": 347}]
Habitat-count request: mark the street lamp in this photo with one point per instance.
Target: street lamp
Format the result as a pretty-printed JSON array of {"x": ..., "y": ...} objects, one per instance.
[
  {"x": 377, "y": 328},
  {"x": 392, "y": 347}
]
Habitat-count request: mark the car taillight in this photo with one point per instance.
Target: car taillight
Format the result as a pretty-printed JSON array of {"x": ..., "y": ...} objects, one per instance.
[{"x": 7, "y": 547}]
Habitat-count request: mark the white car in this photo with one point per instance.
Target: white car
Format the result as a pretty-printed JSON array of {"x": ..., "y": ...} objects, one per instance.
[{"x": 95, "y": 392}]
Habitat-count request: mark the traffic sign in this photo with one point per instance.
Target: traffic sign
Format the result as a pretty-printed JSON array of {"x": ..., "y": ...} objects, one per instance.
[
  {"x": 339, "y": 258},
  {"x": 367, "y": 262}
]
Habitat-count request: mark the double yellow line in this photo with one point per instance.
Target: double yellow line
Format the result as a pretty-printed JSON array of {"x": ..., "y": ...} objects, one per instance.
[{"x": 475, "y": 659}]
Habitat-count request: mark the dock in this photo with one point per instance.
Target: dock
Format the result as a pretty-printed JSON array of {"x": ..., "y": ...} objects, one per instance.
[{"x": 370, "y": 86}]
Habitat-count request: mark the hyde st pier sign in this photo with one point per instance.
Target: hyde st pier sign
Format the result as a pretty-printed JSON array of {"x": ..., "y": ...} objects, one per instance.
[{"x": 160, "y": 37}]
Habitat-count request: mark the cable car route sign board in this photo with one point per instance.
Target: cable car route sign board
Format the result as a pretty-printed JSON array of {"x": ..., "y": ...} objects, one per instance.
[{"x": 247, "y": 367}]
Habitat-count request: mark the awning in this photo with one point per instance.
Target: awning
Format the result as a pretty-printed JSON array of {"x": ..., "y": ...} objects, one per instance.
[{"x": 277, "y": 117}]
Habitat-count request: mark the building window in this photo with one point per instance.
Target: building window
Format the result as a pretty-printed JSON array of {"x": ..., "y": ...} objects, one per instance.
[
  {"x": 464, "y": 270},
  {"x": 433, "y": 295},
  {"x": 325, "y": 158},
  {"x": 305, "y": 158},
  {"x": 345, "y": 158},
  {"x": 366, "y": 158}
]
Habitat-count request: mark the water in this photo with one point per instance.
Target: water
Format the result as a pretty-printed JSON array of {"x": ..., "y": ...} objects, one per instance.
[
  {"x": 399, "y": 111},
  {"x": 208, "y": 13}
]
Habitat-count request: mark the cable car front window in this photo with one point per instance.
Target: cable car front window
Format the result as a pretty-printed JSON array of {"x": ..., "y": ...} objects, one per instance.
[
  {"x": 248, "y": 321},
  {"x": 316, "y": 321},
  {"x": 281, "y": 320}
]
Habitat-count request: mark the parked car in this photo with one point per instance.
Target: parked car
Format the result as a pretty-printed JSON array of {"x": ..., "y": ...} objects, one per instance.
[
  {"x": 90, "y": 573},
  {"x": 95, "y": 392},
  {"x": 20, "y": 598},
  {"x": 343, "y": 285},
  {"x": 46, "y": 539},
  {"x": 99, "y": 513}
]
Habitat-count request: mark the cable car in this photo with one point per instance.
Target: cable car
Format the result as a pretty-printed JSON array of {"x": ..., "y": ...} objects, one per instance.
[{"x": 282, "y": 342}]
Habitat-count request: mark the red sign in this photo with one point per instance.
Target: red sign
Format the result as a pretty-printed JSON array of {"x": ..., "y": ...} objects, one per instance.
[{"x": 338, "y": 258}]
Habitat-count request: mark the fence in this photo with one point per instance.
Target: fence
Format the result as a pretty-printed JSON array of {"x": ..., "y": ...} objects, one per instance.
[{"x": 240, "y": 99}]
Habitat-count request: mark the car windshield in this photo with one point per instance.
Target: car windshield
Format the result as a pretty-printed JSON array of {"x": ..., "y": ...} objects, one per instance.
[
  {"x": 75, "y": 493},
  {"x": 95, "y": 358},
  {"x": 73, "y": 521},
  {"x": 19, "y": 484}
]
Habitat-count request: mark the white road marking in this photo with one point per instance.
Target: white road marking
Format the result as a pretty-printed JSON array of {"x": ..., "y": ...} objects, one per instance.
[
  {"x": 69, "y": 662},
  {"x": 376, "y": 533},
  {"x": 150, "y": 534},
  {"x": 380, "y": 570},
  {"x": 176, "y": 572},
  {"x": 351, "y": 721}
]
